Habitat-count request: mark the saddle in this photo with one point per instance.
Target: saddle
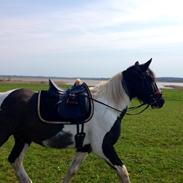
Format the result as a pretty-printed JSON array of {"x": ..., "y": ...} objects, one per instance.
[{"x": 71, "y": 106}]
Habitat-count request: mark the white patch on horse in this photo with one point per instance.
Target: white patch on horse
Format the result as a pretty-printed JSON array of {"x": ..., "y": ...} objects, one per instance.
[
  {"x": 111, "y": 93},
  {"x": 19, "y": 168},
  {"x": 3, "y": 95}
]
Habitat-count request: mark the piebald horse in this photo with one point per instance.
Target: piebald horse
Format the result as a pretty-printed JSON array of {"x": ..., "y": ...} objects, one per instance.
[{"x": 18, "y": 117}]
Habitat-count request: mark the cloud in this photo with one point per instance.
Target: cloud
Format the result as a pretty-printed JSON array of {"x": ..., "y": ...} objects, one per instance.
[{"x": 106, "y": 25}]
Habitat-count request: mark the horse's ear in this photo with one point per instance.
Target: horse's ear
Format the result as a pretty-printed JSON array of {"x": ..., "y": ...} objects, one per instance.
[
  {"x": 136, "y": 63},
  {"x": 145, "y": 66}
]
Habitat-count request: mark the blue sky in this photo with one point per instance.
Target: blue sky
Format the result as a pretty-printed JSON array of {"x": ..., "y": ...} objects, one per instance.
[{"x": 95, "y": 38}]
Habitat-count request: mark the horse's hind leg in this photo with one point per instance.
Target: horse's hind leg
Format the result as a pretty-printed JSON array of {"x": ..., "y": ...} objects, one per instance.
[
  {"x": 3, "y": 137},
  {"x": 6, "y": 128},
  {"x": 78, "y": 158},
  {"x": 16, "y": 159}
]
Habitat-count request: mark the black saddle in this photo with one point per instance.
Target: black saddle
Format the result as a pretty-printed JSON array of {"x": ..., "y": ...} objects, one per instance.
[{"x": 71, "y": 106}]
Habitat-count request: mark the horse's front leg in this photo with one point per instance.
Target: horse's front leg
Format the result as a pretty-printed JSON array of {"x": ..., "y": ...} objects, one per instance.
[
  {"x": 111, "y": 156},
  {"x": 114, "y": 161},
  {"x": 123, "y": 173},
  {"x": 77, "y": 160},
  {"x": 16, "y": 159}
]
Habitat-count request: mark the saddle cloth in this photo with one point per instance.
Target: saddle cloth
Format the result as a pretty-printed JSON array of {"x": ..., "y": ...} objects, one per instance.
[{"x": 71, "y": 106}]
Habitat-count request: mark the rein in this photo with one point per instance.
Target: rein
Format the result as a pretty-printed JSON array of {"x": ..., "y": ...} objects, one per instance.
[
  {"x": 130, "y": 108},
  {"x": 136, "y": 107}
]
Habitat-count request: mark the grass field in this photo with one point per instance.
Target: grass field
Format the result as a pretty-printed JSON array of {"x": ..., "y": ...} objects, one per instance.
[{"x": 151, "y": 146}]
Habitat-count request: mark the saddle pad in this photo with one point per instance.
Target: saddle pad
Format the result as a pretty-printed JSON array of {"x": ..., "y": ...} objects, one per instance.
[{"x": 72, "y": 106}]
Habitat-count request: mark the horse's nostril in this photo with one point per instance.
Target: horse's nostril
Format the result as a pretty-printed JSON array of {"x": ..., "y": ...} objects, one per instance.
[
  {"x": 158, "y": 103},
  {"x": 162, "y": 101}
]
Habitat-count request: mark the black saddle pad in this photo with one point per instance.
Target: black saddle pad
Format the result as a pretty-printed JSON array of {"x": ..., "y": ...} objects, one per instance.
[{"x": 72, "y": 106}]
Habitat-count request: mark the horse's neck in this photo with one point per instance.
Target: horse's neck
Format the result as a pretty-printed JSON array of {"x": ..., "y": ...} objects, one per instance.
[{"x": 112, "y": 93}]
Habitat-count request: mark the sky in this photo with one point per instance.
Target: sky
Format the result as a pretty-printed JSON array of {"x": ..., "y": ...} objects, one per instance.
[{"x": 96, "y": 38}]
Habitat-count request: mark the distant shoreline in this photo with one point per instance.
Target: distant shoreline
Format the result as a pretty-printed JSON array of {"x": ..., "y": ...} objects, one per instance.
[
  {"x": 165, "y": 82},
  {"x": 44, "y": 78}
]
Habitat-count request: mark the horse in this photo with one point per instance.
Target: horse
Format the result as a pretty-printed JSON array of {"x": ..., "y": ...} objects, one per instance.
[{"x": 19, "y": 118}]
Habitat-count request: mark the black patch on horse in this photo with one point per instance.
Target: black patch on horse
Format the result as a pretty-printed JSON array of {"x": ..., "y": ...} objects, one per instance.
[{"x": 110, "y": 139}]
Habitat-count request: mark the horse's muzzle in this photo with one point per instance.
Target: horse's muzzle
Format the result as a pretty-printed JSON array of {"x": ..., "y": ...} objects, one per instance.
[{"x": 158, "y": 101}]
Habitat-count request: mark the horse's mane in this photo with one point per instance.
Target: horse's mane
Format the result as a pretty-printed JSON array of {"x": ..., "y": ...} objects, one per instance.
[{"x": 112, "y": 89}]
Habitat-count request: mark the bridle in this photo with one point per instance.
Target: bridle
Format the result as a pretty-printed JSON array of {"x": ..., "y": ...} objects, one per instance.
[
  {"x": 129, "y": 108},
  {"x": 154, "y": 95}
]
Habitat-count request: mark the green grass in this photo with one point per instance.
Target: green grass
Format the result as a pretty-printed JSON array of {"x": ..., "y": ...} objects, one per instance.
[{"x": 150, "y": 145}]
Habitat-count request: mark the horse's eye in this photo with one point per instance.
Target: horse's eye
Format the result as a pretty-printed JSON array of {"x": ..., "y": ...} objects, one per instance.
[{"x": 149, "y": 78}]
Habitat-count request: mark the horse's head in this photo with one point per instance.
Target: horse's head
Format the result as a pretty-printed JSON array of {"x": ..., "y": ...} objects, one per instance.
[{"x": 139, "y": 82}]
